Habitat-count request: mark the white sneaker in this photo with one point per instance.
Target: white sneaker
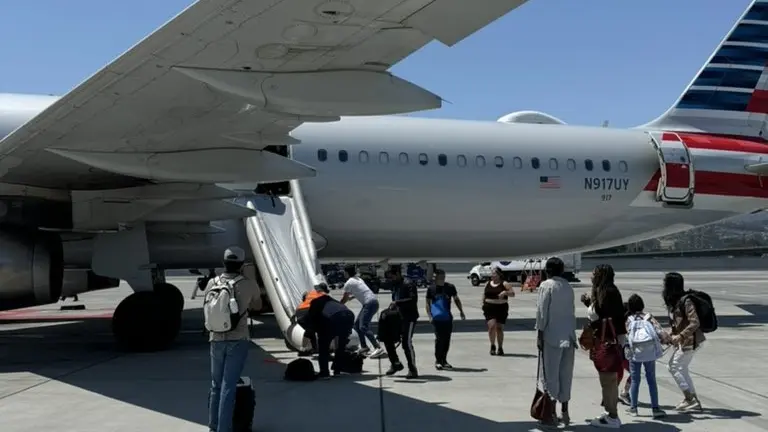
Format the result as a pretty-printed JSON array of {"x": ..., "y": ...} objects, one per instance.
[
  {"x": 378, "y": 353},
  {"x": 606, "y": 422}
]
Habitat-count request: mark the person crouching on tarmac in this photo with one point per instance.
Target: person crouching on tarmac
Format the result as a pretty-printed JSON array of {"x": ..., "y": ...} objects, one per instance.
[
  {"x": 357, "y": 288},
  {"x": 405, "y": 299},
  {"x": 329, "y": 319},
  {"x": 302, "y": 312},
  {"x": 229, "y": 350}
]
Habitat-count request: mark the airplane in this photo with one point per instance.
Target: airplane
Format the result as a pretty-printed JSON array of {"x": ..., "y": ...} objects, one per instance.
[{"x": 151, "y": 163}]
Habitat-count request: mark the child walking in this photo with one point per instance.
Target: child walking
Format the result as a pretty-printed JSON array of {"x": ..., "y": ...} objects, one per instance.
[{"x": 644, "y": 340}]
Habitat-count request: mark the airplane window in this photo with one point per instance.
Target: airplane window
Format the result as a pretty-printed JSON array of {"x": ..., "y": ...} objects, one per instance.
[
  {"x": 384, "y": 158},
  {"x": 322, "y": 155},
  {"x": 571, "y": 164},
  {"x": 363, "y": 156},
  {"x": 553, "y": 164},
  {"x": 606, "y": 165},
  {"x": 423, "y": 159},
  {"x": 498, "y": 161},
  {"x": 588, "y": 165},
  {"x": 343, "y": 155},
  {"x": 480, "y": 161},
  {"x": 442, "y": 159},
  {"x": 535, "y": 163},
  {"x": 623, "y": 166},
  {"x": 403, "y": 158},
  {"x": 461, "y": 160},
  {"x": 517, "y": 162}
]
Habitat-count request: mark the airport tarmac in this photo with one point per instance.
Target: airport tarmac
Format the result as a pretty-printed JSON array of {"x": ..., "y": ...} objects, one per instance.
[{"x": 65, "y": 365}]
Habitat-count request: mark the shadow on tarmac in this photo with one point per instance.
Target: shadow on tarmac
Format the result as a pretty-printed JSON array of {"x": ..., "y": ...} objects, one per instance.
[{"x": 82, "y": 354}]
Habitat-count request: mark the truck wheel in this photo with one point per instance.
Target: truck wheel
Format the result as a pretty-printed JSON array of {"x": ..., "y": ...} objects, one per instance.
[{"x": 475, "y": 280}]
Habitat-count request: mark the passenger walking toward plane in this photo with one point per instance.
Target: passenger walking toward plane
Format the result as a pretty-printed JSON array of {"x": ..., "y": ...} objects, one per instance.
[
  {"x": 496, "y": 309},
  {"x": 645, "y": 338},
  {"x": 687, "y": 337},
  {"x": 357, "y": 288},
  {"x": 556, "y": 334},
  {"x": 606, "y": 314},
  {"x": 229, "y": 349},
  {"x": 405, "y": 299},
  {"x": 439, "y": 297}
]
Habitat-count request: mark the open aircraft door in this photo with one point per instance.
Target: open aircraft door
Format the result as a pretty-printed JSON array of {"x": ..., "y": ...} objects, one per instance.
[
  {"x": 677, "y": 180},
  {"x": 281, "y": 240}
]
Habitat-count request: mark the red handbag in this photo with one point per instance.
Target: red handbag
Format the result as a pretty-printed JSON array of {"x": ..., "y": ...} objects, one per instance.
[{"x": 607, "y": 355}]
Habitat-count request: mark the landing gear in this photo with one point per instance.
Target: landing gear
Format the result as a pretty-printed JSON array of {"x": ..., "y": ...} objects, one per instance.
[{"x": 149, "y": 320}]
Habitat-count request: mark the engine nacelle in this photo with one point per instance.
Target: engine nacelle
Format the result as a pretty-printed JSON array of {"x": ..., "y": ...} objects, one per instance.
[
  {"x": 31, "y": 268},
  {"x": 531, "y": 117}
]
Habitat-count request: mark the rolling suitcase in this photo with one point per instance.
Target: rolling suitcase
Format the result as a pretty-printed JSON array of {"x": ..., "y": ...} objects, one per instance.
[{"x": 245, "y": 404}]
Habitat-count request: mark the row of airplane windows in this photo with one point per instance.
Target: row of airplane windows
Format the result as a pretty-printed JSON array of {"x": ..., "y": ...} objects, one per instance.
[{"x": 479, "y": 161}]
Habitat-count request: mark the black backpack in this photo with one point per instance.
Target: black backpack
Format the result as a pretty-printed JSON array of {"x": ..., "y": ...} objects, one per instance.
[
  {"x": 300, "y": 369},
  {"x": 704, "y": 309},
  {"x": 390, "y": 322},
  {"x": 350, "y": 362}
]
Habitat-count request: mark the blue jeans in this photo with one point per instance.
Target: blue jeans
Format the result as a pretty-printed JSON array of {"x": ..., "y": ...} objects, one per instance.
[
  {"x": 227, "y": 363},
  {"x": 650, "y": 378},
  {"x": 363, "y": 323}
]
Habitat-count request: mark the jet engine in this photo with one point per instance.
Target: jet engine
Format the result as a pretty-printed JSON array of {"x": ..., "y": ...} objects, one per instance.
[
  {"x": 31, "y": 268},
  {"x": 531, "y": 117}
]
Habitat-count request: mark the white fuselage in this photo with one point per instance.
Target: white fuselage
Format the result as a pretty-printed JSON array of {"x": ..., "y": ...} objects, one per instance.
[{"x": 405, "y": 188}]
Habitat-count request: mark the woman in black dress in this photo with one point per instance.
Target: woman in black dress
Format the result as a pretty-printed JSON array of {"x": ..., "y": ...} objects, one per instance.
[{"x": 496, "y": 309}]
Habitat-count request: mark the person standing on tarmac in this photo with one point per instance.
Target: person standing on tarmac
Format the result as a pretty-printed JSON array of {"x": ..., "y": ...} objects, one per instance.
[
  {"x": 357, "y": 288},
  {"x": 439, "y": 296},
  {"x": 405, "y": 299},
  {"x": 229, "y": 350}
]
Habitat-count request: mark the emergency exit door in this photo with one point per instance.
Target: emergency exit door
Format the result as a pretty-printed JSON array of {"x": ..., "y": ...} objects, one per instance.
[{"x": 677, "y": 180}]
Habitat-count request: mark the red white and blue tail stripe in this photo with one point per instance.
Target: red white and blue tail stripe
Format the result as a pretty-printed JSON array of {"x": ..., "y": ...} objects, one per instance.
[{"x": 729, "y": 95}]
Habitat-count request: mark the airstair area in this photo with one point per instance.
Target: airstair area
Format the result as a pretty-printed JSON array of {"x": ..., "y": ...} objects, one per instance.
[{"x": 280, "y": 237}]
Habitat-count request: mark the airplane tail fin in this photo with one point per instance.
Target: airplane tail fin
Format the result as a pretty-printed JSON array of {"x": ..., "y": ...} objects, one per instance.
[{"x": 729, "y": 95}]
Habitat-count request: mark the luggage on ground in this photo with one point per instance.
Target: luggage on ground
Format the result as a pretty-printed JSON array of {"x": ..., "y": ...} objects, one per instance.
[
  {"x": 350, "y": 362},
  {"x": 245, "y": 404},
  {"x": 300, "y": 369}
]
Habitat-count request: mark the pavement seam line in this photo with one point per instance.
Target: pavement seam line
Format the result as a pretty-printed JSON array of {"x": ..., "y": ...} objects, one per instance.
[{"x": 66, "y": 374}]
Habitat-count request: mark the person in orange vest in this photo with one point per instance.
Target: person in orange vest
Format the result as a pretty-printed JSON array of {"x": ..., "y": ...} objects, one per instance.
[{"x": 302, "y": 310}]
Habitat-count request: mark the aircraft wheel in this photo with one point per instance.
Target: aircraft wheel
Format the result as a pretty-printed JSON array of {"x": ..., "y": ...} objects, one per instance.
[
  {"x": 145, "y": 321},
  {"x": 475, "y": 280},
  {"x": 171, "y": 294}
]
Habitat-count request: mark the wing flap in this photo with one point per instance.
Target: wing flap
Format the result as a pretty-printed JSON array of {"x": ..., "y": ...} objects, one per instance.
[{"x": 139, "y": 103}]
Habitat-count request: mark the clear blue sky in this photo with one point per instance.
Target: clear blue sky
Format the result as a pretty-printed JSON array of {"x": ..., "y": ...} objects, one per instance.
[{"x": 582, "y": 61}]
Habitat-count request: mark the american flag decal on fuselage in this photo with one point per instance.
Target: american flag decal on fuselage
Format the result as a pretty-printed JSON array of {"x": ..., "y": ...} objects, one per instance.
[{"x": 549, "y": 182}]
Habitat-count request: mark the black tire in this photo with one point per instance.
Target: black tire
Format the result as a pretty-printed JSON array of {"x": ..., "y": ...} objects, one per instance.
[
  {"x": 145, "y": 322},
  {"x": 474, "y": 279},
  {"x": 171, "y": 294}
]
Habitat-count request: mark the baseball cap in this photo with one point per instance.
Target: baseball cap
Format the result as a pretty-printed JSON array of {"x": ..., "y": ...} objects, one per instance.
[{"x": 234, "y": 253}]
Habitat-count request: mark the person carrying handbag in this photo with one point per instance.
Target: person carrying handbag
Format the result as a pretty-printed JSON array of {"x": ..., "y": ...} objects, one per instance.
[{"x": 608, "y": 333}]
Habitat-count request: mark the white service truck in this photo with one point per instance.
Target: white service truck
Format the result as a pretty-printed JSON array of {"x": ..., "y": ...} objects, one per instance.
[{"x": 517, "y": 270}]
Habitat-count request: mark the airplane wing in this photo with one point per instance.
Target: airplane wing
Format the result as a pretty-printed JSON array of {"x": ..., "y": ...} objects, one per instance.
[{"x": 200, "y": 98}]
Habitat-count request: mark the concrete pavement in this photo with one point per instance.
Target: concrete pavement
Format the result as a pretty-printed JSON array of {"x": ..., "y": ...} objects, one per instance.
[{"x": 67, "y": 376}]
